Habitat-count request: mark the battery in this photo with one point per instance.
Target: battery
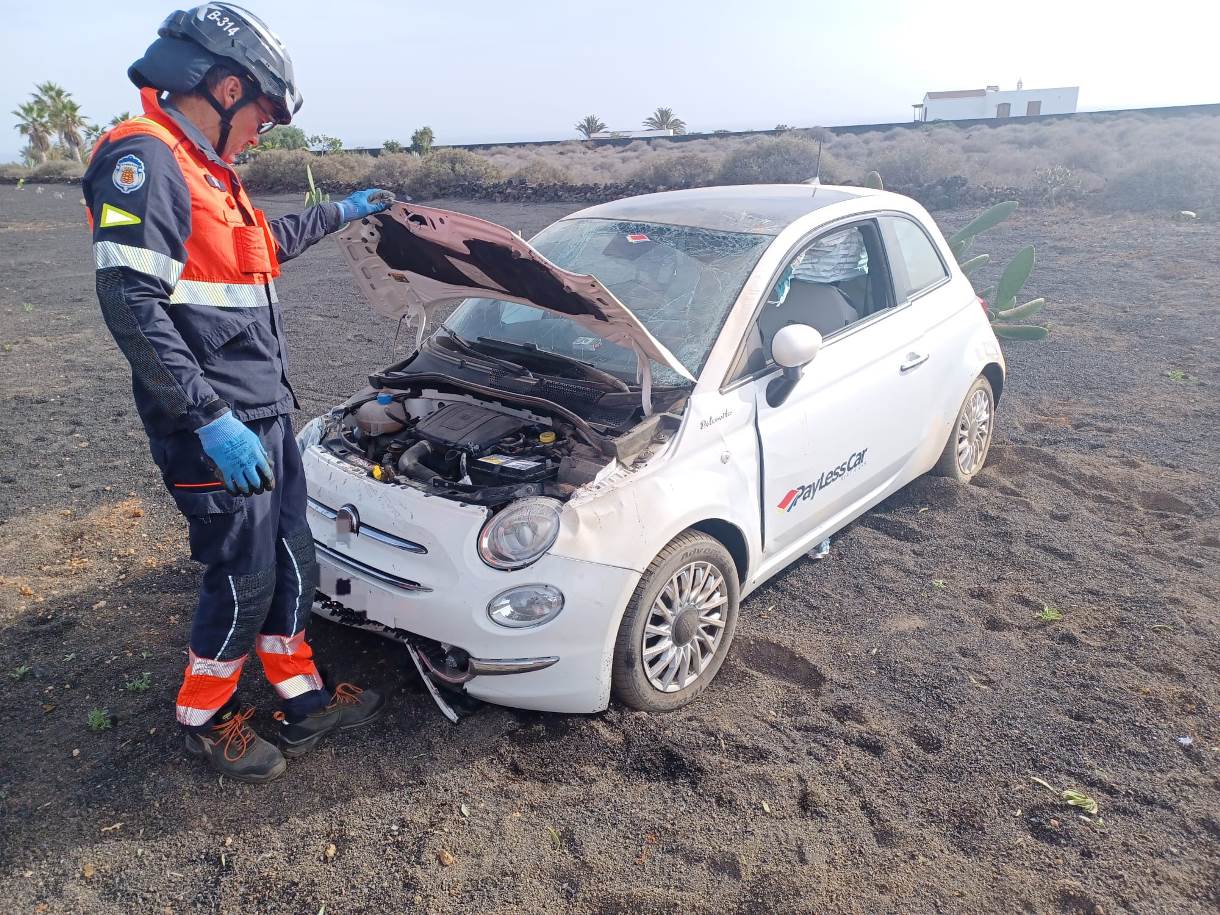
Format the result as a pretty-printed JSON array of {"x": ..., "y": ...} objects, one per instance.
[{"x": 510, "y": 468}]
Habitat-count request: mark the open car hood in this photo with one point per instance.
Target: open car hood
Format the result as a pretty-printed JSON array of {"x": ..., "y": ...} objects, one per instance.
[{"x": 410, "y": 259}]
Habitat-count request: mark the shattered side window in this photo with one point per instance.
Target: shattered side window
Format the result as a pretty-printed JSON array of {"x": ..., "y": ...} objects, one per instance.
[{"x": 680, "y": 281}]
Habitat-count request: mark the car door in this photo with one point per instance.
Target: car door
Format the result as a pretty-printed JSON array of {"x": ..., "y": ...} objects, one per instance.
[
  {"x": 850, "y": 427},
  {"x": 950, "y": 314}
]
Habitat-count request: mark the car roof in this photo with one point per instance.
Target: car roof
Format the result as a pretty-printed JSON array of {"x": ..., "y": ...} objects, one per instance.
[{"x": 759, "y": 209}]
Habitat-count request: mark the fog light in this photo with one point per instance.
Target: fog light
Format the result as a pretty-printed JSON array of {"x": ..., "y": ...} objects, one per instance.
[{"x": 526, "y": 606}]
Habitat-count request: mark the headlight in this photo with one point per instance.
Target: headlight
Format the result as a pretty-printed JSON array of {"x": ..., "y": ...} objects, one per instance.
[
  {"x": 521, "y": 533},
  {"x": 530, "y": 605},
  {"x": 310, "y": 434}
]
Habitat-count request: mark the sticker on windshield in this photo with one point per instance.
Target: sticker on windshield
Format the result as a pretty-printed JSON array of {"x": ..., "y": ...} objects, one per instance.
[{"x": 636, "y": 237}]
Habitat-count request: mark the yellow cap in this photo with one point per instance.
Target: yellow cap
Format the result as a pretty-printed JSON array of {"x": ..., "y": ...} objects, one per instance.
[
  {"x": 546, "y": 437},
  {"x": 377, "y": 472}
]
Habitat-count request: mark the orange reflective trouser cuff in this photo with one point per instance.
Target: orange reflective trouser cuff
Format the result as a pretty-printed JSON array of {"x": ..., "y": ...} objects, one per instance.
[
  {"x": 288, "y": 663},
  {"x": 207, "y": 685}
]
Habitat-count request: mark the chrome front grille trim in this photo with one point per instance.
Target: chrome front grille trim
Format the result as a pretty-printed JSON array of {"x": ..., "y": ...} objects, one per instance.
[{"x": 364, "y": 530}]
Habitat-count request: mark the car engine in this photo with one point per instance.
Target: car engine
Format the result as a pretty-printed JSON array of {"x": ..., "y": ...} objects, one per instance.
[{"x": 462, "y": 449}]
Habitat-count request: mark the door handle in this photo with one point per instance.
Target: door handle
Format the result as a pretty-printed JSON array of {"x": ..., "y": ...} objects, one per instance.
[{"x": 913, "y": 361}]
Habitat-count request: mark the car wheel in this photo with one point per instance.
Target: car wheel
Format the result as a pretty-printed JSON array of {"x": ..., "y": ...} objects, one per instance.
[
  {"x": 970, "y": 438},
  {"x": 678, "y": 625}
]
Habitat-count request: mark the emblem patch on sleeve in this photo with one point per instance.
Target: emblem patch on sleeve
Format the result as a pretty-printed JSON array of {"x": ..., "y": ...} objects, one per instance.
[{"x": 128, "y": 174}]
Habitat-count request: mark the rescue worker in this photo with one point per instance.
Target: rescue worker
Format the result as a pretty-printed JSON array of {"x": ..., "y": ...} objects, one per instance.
[{"x": 185, "y": 278}]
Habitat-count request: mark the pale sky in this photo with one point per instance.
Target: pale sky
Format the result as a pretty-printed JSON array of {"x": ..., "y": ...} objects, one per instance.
[{"x": 482, "y": 71}]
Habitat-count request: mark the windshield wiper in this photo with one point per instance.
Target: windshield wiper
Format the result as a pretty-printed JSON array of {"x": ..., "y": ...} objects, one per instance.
[
  {"x": 531, "y": 349},
  {"x": 462, "y": 345}
]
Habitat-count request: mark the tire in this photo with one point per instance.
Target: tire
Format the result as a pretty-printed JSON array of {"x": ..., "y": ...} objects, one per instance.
[
  {"x": 969, "y": 440},
  {"x": 637, "y": 680}
]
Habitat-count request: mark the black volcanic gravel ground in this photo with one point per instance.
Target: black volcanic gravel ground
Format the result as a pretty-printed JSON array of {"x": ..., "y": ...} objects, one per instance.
[{"x": 869, "y": 746}]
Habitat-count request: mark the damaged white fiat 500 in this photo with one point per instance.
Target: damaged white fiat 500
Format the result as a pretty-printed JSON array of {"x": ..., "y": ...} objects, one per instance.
[{"x": 630, "y": 423}]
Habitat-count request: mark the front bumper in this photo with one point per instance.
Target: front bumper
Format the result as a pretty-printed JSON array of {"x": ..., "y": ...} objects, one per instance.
[{"x": 441, "y": 591}]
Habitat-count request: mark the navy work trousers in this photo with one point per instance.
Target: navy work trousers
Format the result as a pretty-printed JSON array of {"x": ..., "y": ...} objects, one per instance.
[{"x": 259, "y": 576}]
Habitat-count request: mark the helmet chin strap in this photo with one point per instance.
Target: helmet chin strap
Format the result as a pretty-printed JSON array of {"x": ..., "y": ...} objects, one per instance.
[{"x": 248, "y": 95}]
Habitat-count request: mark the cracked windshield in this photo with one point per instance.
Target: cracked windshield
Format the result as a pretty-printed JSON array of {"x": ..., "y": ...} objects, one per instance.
[{"x": 680, "y": 281}]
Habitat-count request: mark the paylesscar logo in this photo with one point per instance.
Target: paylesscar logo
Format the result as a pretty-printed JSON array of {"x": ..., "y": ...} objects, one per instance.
[{"x": 809, "y": 490}]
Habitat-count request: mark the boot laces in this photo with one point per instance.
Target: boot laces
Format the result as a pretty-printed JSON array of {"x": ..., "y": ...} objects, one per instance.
[
  {"x": 346, "y": 694},
  {"x": 235, "y": 731}
]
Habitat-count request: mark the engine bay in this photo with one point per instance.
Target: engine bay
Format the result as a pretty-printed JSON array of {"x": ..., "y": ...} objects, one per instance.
[{"x": 483, "y": 453}]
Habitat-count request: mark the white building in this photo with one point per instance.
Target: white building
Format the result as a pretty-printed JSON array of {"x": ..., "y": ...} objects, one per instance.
[{"x": 966, "y": 104}]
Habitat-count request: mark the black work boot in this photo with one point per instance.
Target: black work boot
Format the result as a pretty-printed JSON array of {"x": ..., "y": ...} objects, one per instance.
[
  {"x": 231, "y": 747},
  {"x": 350, "y": 707}
]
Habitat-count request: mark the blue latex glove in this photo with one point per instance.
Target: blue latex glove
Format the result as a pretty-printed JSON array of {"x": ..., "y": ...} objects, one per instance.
[
  {"x": 237, "y": 453},
  {"x": 364, "y": 203}
]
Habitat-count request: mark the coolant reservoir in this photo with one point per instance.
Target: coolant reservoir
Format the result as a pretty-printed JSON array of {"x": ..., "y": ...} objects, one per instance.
[{"x": 383, "y": 416}]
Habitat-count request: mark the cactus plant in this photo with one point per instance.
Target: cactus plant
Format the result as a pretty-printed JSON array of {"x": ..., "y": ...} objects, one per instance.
[
  {"x": 1005, "y": 312},
  {"x": 873, "y": 180}
]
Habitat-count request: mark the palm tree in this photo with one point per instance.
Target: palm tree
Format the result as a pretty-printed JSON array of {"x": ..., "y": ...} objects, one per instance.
[
  {"x": 69, "y": 122},
  {"x": 663, "y": 119},
  {"x": 590, "y": 125},
  {"x": 35, "y": 125},
  {"x": 64, "y": 116}
]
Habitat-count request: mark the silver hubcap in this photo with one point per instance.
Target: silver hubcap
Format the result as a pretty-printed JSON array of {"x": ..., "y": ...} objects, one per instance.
[
  {"x": 685, "y": 627},
  {"x": 974, "y": 433}
]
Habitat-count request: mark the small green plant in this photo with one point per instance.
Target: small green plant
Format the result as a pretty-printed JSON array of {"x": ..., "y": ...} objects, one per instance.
[
  {"x": 20, "y": 184},
  {"x": 938, "y": 582},
  {"x": 1048, "y": 615},
  {"x": 1178, "y": 376},
  {"x": 314, "y": 195},
  {"x": 556, "y": 838},
  {"x": 20, "y": 672},
  {"x": 27, "y": 307},
  {"x": 1081, "y": 800},
  {"x": 139, "y": 684},
  {"x": 99, "y": 719}
]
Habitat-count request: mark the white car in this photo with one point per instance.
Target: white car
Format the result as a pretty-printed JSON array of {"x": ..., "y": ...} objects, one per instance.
[{"x": 629, "y": 424}]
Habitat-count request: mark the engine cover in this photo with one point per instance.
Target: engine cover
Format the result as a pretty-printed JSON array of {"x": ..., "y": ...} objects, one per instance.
[{"x": 466, "y": 426}]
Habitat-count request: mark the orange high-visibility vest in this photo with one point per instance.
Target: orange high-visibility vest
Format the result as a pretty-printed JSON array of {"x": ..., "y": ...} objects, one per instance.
[{"x": 230, "y": 248}]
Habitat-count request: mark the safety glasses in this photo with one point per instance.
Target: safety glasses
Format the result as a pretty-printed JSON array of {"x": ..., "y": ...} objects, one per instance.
[{"x": 265, "y": 126}]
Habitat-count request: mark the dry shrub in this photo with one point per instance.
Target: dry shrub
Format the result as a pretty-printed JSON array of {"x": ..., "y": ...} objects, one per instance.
[
  {"x": 394, "y": 172},
  {"x": 911, "y": 158},
  {"x": 276, "y": 170},
  {"x": 1168, "y": 183},
  {"x": 450, "y": 171},
  {"x": 540, "y": 171},
  {"x": 12, "y": 172},
  {"x": 341, "y": 172},
  {"x": 57, "y": 170},
  {"x": 1027, "y": 159},
  {"x": 777, "y": 160},
  {"x": 677, "y": 171}
]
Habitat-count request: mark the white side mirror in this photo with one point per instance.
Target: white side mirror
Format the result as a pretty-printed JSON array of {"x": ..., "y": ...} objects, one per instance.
[{"x": 795, "y": 345}]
